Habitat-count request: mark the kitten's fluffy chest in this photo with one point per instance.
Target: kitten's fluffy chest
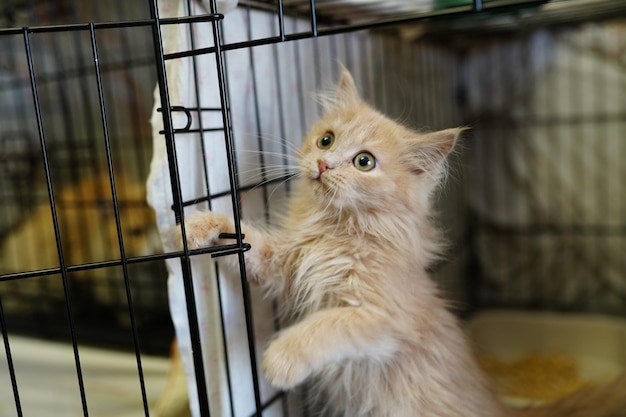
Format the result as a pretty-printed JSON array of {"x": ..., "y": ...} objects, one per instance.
[{"x": 323, "y": 269}]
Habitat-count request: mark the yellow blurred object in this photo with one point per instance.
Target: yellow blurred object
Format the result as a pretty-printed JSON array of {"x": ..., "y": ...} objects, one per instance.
[{"x": 538, "y": 377}]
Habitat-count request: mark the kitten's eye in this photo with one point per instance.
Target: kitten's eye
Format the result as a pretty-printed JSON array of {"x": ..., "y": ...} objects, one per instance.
[
  {"x": 326, "y": 141},
  {"x": 364, "y": 161}
]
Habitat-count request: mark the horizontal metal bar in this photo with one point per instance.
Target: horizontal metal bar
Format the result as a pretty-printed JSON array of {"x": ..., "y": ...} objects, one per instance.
[
  {"x": 270, "y": 402},
  {"x": 215, "y": 251},
  {"x": 406, "y": 18},
  {"x": 112, "y": 25},
  {"x": 207, "y": 129}
]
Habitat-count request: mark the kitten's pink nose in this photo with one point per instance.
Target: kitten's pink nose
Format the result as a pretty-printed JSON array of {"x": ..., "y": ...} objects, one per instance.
[{"x": 322, "y": 166}]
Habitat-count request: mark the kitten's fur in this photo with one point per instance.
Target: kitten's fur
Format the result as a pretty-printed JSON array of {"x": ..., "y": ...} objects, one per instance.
[{"x": 349, "y": 264}]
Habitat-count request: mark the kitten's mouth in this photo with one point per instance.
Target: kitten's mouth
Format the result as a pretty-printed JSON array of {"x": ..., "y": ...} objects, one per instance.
[{"x": 317, "y": 177}]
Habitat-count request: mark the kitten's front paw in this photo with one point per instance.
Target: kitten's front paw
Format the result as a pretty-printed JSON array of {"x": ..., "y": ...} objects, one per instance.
[
  {"x": 284, "y": 365},
  {"x": 202, "y": 229}
]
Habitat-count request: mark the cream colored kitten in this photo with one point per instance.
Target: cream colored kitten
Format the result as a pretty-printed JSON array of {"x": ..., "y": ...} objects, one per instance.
[{"x": 349, "y": 266}]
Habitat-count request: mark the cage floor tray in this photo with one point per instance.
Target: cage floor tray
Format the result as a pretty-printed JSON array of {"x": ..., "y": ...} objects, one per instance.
[{"x": 595, "y": 345}]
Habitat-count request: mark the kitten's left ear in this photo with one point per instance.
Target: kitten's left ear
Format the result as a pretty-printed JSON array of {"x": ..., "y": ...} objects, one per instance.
[{"x": 430, "y": 150}]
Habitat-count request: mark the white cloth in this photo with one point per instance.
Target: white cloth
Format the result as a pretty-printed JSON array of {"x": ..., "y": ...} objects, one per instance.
[{"x": 182, "y": 92}]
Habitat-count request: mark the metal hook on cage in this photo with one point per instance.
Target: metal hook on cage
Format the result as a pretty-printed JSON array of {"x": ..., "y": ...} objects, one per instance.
[{"x": 179, "y": 109}]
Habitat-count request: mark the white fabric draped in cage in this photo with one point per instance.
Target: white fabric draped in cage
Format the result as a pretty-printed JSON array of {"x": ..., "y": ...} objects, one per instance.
[{"x": 182, "y": 92}]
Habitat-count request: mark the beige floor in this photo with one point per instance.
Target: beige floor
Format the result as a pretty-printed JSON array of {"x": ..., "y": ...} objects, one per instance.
[{"x": 48, "y": 386}]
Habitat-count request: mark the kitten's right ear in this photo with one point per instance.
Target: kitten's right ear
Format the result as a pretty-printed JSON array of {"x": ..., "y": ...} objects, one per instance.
[
  {"x": 347, "y": 93},
  {"x": 344, "y": 95}
]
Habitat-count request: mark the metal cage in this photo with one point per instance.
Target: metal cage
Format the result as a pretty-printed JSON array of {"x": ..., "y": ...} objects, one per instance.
[{"x": 75, "y": 89}]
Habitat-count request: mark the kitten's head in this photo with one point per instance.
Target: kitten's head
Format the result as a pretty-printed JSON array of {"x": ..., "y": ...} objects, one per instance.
[{"x": 356, "y": 158}]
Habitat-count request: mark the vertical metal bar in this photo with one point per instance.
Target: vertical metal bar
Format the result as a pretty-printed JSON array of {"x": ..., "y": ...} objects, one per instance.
[
  {"x": 281, "y": 113},
  {"x": 194, "y": 65},
  {"x": 224, "y": 338},
  {"x": 192, "y": 314},
  {"x": 298, "y": 69},
  {"x": 313, "y": 18},
  {"x": 284, "y": 150},
  {"x": 7, "y": 349},
  {"x": 126, "y": 49},
  {"x": 116, "y": 210},
  {"x": 62, "y": 125},
  {"x": 235, "y": 198},
  {"x": 478, "y": 5},
  {"x": 55, "y": 219},
  {"x": 224, "y": 341},
  {"x": 281, "y": 21},
  {"x": 257, "y": 117},
  {"x": 316, "y": 71},
  {"x": 230, "y": 396},
  {"x": 86, "y": 109},
  {"x": 303, "y": 127}
]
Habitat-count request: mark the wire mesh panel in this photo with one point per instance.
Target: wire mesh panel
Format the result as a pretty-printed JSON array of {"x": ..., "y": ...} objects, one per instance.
[
  {"x": 547, "y": 196},
  {"x": 85, "y": 118},
  {"x": 75, "y": 228}
]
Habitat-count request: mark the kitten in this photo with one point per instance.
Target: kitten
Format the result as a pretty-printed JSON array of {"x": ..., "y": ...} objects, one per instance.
[{"x": 349, "y": 266}]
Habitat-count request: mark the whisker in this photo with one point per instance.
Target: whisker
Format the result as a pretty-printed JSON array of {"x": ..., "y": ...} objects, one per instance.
[
  {"x": 275, "y": 172},
  {"x": 269, "y": 168},
  {"x": 282, "y": 178},
  {"x": 288, "y": 178},
  {"x": 275, "y": 139},
  {"x": 270, "y": 153},
  {"x": 330, "y": 193}
]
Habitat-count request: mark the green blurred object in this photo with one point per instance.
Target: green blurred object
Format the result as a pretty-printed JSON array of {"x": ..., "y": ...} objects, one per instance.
[{"x": 446, "y": 4}]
